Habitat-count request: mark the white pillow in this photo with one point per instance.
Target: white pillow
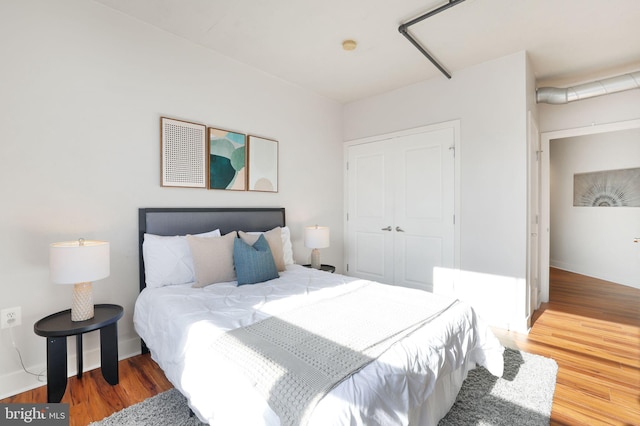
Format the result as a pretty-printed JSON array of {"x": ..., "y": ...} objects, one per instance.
[
  {"x": 168, "y": 260},
  {"x": 287, "y": 248}
]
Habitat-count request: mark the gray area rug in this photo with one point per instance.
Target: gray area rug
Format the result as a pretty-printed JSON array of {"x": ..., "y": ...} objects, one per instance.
[{"x": 522, "y": 396}]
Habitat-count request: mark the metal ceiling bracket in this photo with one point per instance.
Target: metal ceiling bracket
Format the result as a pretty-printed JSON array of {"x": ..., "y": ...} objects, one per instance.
[{"x": 404, "y": 30}]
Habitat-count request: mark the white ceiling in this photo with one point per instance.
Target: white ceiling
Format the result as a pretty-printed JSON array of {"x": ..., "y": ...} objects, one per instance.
[{"x": 568, "y": 41}]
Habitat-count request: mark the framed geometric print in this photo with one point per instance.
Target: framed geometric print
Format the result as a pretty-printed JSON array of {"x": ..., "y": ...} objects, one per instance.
[{"x": 183, "y": 154}]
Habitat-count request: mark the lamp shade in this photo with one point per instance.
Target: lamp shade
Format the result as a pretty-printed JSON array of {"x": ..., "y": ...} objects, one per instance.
[
  {"x": 72, "y": 262},
  {"x": 316, "y": 237}
]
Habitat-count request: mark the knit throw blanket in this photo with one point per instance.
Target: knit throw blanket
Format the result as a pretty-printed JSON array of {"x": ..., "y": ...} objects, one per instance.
[{"x": 296, "y": 358}]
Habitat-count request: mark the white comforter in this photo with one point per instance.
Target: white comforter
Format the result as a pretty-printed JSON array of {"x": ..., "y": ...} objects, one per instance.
[{"x": 180, "y": 324}]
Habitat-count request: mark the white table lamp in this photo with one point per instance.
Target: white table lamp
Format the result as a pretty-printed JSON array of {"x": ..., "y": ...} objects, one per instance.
[
  {"x": 316, "y": 237},
  {"x": 79, "y": 263}
]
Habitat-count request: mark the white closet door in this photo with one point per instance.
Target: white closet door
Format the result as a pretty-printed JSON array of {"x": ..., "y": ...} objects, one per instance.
[
  {"x": 424, "y": 207},
  {"x": 370, "y": 235},
  {"x": 401, "y": 208}
]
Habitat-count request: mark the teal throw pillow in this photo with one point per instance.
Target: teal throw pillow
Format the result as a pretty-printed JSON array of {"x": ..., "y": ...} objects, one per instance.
[{"x": 254, "y": 264}]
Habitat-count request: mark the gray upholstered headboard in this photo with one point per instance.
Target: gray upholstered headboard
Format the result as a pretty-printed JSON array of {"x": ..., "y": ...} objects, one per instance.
[{"x": 182, "y": 221}]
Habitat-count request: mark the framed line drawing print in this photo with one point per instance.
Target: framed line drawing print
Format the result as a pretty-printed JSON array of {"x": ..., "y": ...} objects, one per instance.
[
  {"x": 608, "y": 188},
  {"x": 183, "y": 154},
  {"x": 227, "y": 160},
  {"x": 262, "y": 161}
]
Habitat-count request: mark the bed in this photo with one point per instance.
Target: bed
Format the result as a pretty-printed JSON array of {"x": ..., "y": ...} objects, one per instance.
[{"x": 305, "y": 347}]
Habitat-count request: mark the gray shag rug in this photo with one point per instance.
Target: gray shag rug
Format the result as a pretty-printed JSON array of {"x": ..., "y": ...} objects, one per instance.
[{"x": 522, "y": 396}]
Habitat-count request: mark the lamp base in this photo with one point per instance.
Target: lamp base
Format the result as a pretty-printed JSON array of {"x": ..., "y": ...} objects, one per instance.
[
  {"x": 315, "y": 258},
  {"x": 82, "y": 306}
]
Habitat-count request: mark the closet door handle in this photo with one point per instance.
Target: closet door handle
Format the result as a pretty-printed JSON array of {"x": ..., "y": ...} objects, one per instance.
[
  {"x": 399, "y": 229},
  {"x": 388, "y": 228}
]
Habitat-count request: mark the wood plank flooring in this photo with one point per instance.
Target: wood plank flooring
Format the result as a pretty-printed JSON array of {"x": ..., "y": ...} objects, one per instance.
[
  {"x": 92, "y": 398},
  {"x": 590, "y": 327}
]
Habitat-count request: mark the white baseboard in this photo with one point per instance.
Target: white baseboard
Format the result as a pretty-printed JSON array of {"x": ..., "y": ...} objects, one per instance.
[
  {"x": 601, "y": 275},
  {"x": 19, "y": 381}
]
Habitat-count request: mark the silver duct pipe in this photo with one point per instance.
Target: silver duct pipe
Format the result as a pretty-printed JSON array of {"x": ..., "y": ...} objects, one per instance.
[{"x": 620, "y": 83}]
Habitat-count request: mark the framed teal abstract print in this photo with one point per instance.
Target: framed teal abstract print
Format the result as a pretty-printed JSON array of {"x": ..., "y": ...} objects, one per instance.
[{"x": 227, "y": 160}]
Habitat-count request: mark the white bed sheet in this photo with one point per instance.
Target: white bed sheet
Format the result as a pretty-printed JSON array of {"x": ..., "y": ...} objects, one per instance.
[{"x": 179, "y": 324}]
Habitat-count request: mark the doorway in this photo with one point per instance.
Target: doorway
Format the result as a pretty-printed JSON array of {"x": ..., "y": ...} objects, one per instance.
[{"x": 545, "y": 189}]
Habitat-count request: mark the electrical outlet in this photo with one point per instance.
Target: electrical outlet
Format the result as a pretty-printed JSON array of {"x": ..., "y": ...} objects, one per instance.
[{"x": 10, "y": 317}]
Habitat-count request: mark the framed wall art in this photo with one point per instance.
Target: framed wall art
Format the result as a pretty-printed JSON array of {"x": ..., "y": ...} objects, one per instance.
[
  {"x": 183, "y": 153},
  {"x": 610, "y": 188},
  {"x": 262, "y": 164},
  {"x": 227, "y": 160}
]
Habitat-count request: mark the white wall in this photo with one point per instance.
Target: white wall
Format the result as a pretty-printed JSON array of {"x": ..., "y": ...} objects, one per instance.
[
  {"x": 82, "y": 88},
  {"x": 491, "y": 101},
  {"x": 594, "y": 241}
]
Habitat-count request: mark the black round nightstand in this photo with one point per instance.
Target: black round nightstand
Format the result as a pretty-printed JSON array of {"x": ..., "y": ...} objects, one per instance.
[
  {"x": 57, "y": 327},
  {"x": 323, "y": 267}
]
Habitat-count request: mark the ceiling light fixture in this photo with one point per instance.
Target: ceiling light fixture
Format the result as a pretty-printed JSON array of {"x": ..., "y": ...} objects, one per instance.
[{"x": 349, "y": 45}]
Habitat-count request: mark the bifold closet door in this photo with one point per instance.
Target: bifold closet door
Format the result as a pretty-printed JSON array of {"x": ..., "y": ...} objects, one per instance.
[
  {"x": 370, "y": 189},
  {"x": 400, "y": 208},
  {"x": 424, "y": 207}
]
